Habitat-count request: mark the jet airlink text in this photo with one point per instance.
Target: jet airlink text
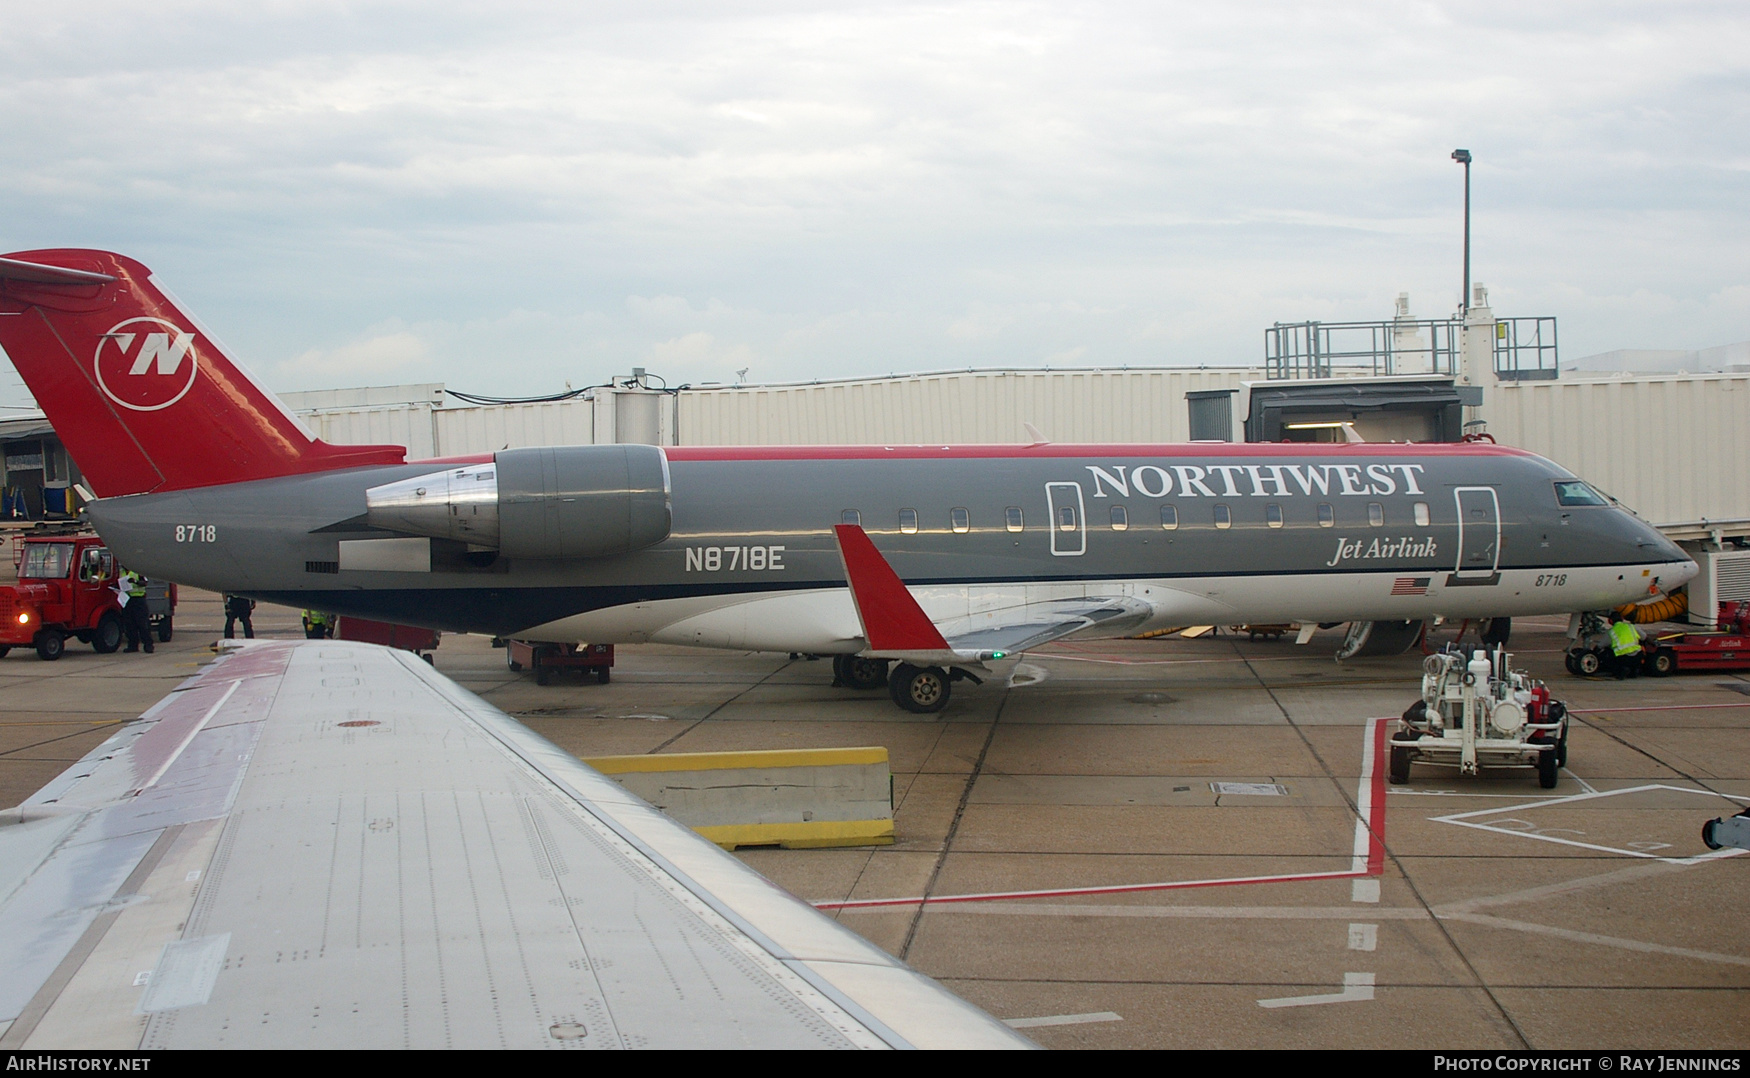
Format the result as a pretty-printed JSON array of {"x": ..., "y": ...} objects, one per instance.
[
  {"x": 1402, "y": 547},
  {"x": 1262, "y": 480}
]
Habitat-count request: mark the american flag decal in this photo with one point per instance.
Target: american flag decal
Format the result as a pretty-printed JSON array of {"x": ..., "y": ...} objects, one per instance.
[{"x": 1411, "y": 585}]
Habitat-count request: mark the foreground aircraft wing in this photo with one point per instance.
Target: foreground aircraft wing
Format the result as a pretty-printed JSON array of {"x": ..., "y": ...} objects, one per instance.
[
  {"x": 895, "y": 626},
  {"x": 328, "y": 844}
]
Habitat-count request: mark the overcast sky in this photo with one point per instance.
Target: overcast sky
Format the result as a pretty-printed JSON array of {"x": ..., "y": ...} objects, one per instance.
[{"x": 509, "y": 196}]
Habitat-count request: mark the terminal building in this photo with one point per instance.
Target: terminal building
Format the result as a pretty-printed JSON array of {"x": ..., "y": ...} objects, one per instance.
[{"x": 1669, "y": 442}]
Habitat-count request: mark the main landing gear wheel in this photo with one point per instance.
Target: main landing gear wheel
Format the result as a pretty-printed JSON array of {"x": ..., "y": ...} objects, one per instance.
[
  {"x": 50, "y": 644},
  {"x": 919, "y": 689},
  {"x": 1495, "y": 631},
  {"x": 856, "y": 672},
  {"x": 107, "y": 637}
]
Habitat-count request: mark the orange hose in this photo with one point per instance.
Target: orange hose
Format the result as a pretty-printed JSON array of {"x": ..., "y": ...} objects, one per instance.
[{"x": 1664, "y": 608}]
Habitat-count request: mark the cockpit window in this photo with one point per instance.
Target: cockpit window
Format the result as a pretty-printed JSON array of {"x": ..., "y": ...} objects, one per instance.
[{"x": 1574, "y": 492}]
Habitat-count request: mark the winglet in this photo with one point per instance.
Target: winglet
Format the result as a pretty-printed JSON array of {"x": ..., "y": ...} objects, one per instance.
[{"x": 892, "y": 619}]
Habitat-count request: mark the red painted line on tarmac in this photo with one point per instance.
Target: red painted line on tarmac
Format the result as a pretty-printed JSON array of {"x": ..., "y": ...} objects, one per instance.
[
  {"x": 1667, "y": 707},
  {"x": 1370, "y": 793},
  {"x": 1374, "y": 812}
]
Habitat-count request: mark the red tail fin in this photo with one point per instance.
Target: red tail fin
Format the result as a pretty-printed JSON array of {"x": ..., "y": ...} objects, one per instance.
[
  {"x": 141, "y": 397},
  {"x": 892, "y": 619}
]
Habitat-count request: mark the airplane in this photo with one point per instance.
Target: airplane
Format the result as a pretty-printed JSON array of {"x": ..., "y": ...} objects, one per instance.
[{"x": 914, "y": 566}]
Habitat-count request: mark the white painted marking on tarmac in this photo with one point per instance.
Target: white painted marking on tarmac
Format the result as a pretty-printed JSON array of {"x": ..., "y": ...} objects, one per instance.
[
  {"x": 1363, "y": 937},
  {"x": 1591, "y": 937},
  {"x": 1364, "y": 891},
  {"x": 1063, "y": 1020},
  {"x": 1357, "y": 988},
  {"x": 1584, "y": 785},
  {"x": 1525, "y": 829},
  {"x": 1250, "y": 789}
]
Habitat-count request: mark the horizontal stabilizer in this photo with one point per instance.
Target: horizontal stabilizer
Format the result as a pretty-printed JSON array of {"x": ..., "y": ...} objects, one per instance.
[{"x": 11, "y": 269}]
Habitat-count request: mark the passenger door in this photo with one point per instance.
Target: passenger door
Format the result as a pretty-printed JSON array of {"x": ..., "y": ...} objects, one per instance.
[
  {"x": 1479, "y": 535},
  {"x": 1068, "y": 519}
]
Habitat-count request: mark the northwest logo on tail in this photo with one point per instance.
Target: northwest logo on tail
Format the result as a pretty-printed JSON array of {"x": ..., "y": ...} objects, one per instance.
[{"x": 146, "y": 364}]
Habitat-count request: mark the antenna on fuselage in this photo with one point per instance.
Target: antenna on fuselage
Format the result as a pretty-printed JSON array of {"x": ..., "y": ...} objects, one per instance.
[{"x": 1036, "y": 434}]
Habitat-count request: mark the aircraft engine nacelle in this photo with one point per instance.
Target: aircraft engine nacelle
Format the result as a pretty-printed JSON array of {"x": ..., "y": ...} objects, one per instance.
[{"x": 585, "y": 501}]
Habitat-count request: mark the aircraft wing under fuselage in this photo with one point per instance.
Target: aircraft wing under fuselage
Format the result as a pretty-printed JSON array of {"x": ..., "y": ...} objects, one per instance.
[{"x": 328, "y": 844}]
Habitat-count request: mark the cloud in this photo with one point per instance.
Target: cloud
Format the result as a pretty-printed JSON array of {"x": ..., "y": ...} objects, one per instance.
[
  {"x": 392, "y": 354},
  {"x": 842, "y": 189}
]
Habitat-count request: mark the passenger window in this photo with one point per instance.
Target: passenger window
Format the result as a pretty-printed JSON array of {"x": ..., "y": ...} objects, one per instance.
[
  {"x": 1327, "y": 516},
  {"x": 1169, "y": 517},
  {"x": 1013, "y": 514},
  {"x": 1224, "y": 517},
  {"x": 960, "y": 519},
  {"x": 1273, "y": 515},
  {"x": 908, "y": 521},
  {"x": 1422, "y": 514},
  {"x": 1066, "y": 518},
  {"x": 1120, "y": 518},
  {"x": 1376, "y": 514},
  {"x": 851, "y": 516}
]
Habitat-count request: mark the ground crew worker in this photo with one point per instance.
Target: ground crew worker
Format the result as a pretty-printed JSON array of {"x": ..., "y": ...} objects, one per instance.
[
  {"x": 317, "y": 625},
  {"x": 237, "y": 608},
  {"x": 1625, "y": 642},
  {"x": 135, "y": 617}
]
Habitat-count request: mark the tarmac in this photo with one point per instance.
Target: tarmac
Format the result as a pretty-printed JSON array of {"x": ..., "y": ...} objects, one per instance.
[{"x": 1307, "y": 904}]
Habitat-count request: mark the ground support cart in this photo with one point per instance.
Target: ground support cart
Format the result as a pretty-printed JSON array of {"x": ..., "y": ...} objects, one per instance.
[
  {"x": 406, "y": 637},
  {"x": 547, "y": 659},
  {"x": 1477, "y": 712}
]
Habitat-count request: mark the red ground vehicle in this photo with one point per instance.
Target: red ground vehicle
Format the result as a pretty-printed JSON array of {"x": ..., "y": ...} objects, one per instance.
[
  {"x": 406, "y": 637},
  {"x": 544, "y": 659},
  {"x": 66, "y": 587},
  {"x": 1727, "y": 648}
]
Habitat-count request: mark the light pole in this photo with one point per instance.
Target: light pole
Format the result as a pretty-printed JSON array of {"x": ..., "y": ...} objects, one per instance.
[{"x": 1463, "y": 158}]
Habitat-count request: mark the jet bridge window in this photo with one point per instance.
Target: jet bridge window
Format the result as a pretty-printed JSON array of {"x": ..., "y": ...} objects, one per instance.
[
  {"x": 1327, "y": 515},
  {"x": 1273, "y": 515},
  {"x": 1376, "y": 514},
  {"x": 1224, "y": 517},
  {"x": 1120, "y": 518},
  {"x": 908, "y": 521},
  {"x": 960, "y": 519},
  {"x": 851, "y": 516},
  {"x": 1421, "y": 510},
  {"x": 1574, "y": 492},
  {"x": 1013, "y": 516},
  {"x": 1169, "y": 517}
]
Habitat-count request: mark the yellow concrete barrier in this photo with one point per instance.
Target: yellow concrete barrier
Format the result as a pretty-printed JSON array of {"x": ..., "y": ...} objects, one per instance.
[{"x": 794, "y": 798}]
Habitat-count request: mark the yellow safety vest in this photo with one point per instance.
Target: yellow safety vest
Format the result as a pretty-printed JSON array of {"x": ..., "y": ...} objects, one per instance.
[{"x": 1625, "y": 638}]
